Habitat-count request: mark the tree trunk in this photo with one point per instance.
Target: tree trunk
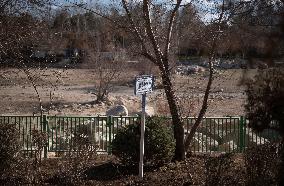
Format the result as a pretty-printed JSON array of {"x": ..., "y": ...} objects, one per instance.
[
  {"x": 203, "y": 108},
  {"x": 176, "y": 118}
]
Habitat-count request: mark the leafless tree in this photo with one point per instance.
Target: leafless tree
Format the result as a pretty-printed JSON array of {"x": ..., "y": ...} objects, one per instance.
[
  {"x": 108, "y": 68},
  {"x": 22, "y": 29},
  {"x": 152, "y": 28},
  {"x": 157, "y": 49},
  {"x": 212, "y": 56}
]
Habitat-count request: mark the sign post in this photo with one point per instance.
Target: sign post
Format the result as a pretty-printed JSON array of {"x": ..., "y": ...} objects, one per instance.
[
  {"x": 142, "y": 135},
  {"x": 143, "y": 85}
]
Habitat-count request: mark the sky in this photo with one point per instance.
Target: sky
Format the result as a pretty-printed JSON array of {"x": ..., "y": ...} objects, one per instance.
[{"x": 207, "y": 6}]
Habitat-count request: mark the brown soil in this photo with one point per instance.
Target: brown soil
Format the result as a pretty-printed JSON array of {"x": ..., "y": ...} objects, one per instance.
[
  {"x": 72, "y": 93},
  {"x": 192, "y": 171}
]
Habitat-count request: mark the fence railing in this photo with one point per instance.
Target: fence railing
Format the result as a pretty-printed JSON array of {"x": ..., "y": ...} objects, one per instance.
[{"x": 215, "y": 134}]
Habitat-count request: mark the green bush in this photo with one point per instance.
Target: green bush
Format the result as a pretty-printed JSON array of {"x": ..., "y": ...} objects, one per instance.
[
  {"x": 159, "y": 143},
  {"x": 9, "y": 146}
]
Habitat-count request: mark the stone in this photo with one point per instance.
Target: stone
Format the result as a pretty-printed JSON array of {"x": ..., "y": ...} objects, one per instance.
[
  {"x": 119, "y": 110},
  {"x": 187, "y": 70},
  {"x": 150, "y": 111},
  {"x": 228, "y": 146}
]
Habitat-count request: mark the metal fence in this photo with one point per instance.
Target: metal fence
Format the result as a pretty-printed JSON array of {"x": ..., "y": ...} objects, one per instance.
[
  {"x": 222, "y": 134},
  {"x": 227, "y": 134},
  {"x": 25, "y": 125}
]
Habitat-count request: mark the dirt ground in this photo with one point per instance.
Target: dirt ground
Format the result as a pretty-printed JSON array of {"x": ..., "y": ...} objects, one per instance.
[
  {"x": 71, "y": 92},
  {"x": 195, "y": 170}
]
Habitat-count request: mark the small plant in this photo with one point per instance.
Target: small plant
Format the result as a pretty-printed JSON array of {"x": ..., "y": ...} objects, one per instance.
[
  {"x": 159, "y": 143},
  {"x": 82, "y": 151},
  {"x": 39, "y": 141},
  {"x": 221, "y": 170}
]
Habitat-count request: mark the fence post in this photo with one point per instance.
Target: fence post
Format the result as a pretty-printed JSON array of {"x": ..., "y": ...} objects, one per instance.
[
  {"x": 45, "y": 122},
  {"x": 109, "y": 124},
  {"x": 242, "y": 135}
]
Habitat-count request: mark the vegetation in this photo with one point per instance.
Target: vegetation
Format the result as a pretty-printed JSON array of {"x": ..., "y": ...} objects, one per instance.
[
  {"x": 9, "y": 147},
  {"x": 159, "y": 143},
  {"x": 265, "y": 106},
  {"x": 262, "y": 164},
  {"x": 156, "y": 32},
  {"x": 41, "y": 34},
  {"x": 266, "y": 101}
]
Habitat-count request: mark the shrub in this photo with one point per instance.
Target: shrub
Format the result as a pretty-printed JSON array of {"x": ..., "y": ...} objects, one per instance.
[
  {"x": 223, "y": 170},
  {"x": 261, "y": 164},
  {"x": 9, "y": 146},
  {"x": 81, "y": 153},
  {"x": 265, "y": 101},
  {"x": 159, "y": 143},
  {"x": 265, "y": 108}
]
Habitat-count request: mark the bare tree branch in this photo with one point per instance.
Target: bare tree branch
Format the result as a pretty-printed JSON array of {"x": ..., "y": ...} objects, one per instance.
[
  {"x": 170, "y": 28},
  {"x": 151, "y": 34},
  {"x": 204, "y": 106},
  {"x": 137, "y": 33}
]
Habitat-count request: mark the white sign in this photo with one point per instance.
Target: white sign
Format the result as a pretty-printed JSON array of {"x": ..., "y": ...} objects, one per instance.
[{"x": 144, "y": 84}]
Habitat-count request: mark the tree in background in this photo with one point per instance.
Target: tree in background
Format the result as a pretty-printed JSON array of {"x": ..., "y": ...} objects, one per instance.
[
  {"x": 151, "y": 28},
  {"x": 108, "y": 68},
  {"x": 24, "y": 26}
]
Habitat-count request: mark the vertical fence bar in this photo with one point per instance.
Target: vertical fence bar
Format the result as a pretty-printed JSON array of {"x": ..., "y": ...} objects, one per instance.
[
  {"x": 224, "y": 122},
  {"x": 215, "y": 136},
  {"x": 109, "y": 124},
  {"x": 210, "y": 137},
  {"x": 234, "y": 130},
  {"x": 241, "y": 133},
  {"x": 44, "y": 122},
  {"x": 245, "y": 127},
  {"x": 31, "y": 137}
]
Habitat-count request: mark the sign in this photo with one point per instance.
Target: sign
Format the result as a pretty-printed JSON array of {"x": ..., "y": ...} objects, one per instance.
[{"x": 144, "y": 84}]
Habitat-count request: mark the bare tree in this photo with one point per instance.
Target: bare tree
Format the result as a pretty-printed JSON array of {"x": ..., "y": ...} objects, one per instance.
[
  {"x": 212, "y": 55},
  {"x": 158, "y": 53},
  {"x": 152, "y": 28},
  {"x": 21, "y": 31},
  {"x": 108, "y": 70}
]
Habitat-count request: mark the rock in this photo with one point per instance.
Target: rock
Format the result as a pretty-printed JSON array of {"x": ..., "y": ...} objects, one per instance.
[
  {"x": 119, "y": 110},
  {"x": 228, "y": 146},
  {"x": 101, "y": 104},
  {"x": 150, "y": 111},
  {"x": 212, "y": 96},
  {"x": 221, "y": 98},
  {"x": 220, "y": 90},
  {"x": 51, "y": 155},
  {"x": 186, "y": 70},
  {"x": 203, "y": 143}
]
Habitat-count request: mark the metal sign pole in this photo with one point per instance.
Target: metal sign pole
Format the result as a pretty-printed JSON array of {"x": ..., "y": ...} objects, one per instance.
[
  {"x": 143, "y": 85},
  {"x": 142, "y": 135}
]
